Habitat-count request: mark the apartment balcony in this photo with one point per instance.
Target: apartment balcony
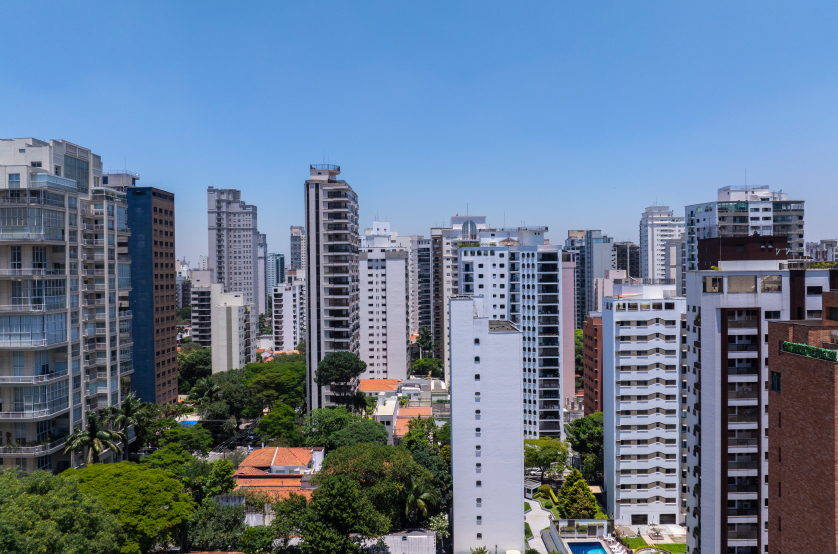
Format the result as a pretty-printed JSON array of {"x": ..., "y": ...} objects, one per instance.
[
  {"x": 124, "y": 314},
  {"x": 31, "y": 233},
  {"x": 39, "y": 450},
  {"x": 16, "y": 273},
  {"x": 20, "y": 343},
  {"x": 33, "y": 379},
  {"x": 34, "y": 415}
]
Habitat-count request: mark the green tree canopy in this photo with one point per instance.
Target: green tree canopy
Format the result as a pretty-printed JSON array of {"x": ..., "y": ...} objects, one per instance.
[
  {"x": 425, "y": 341},
  {"x": 192, "y": 365},
  {"x": 172, "y": 458},
  {"x": 383, "y": 473},
  {"x": 440, "y": 476},
  {"x": 322, "y": 423},
  {"x": 277, "y": 382},
  {"x": 580, "y": 502},
  {"x": 44, "y": 513},
  {"x": 147, "y": 501},
  {"x": 289, "y": 516},
  {"x": 94, "y": 439},
  {"x": 428, "y": 366},
  {"x": 421, "y": 432},
  {"x": 585, "y": 437},
  {"x": 193, "y": 438},
  {"x": 215, "y": 528},
  {"x": 233, "y": 390},
  {"x": 338, "y": 369},
  {"x": 281, "y": 425},
  {"x": 365, "y": 430},
  {"x": 543, "y": 453}
]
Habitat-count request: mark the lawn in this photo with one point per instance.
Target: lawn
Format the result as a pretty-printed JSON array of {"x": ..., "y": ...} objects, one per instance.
[
  {"x": 528, "y": 531},
  {"x": 635, "y": 542},
  {"x": 675, "y": 548},
  {"x": 526, "y": 506}
]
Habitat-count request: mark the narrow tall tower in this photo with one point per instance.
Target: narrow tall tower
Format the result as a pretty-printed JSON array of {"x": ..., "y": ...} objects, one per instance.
[{"x": 331, "y": 251}]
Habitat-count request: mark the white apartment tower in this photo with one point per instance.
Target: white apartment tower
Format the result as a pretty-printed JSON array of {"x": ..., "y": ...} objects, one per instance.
[
  {"x": 641, "y": 390},
  {"x": 288, "y": 315},
  {"x": 728, "y": 310},
  {"x": 298, "y": 251},
  {"x": 518, "y": 278},
  {"x": 385, "y": 286},
  {"x": 657, "y": 225},
  {"x": 235, "y": 327},
  {"x": 65, "y": 274},
  {"x": 201, "y": 301},
  {"x": 236, "y": 248},
  {"x": 331, "y": 244},
  {"x": 487, "y": 461}
]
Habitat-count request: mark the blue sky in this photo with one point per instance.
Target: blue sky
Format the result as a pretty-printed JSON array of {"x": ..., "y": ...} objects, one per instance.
[{"x": 567, "y": 114}]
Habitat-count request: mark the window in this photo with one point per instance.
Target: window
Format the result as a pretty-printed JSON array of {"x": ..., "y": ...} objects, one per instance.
[
  {"x": 772, "y": 283},
  {"x": 476, "y": 341},
  {"x": 713, "y": 284},
  {"x": 479, "y": 520},
  {"x": 479, "y": 483},
  {"x": 669, "y": 305},
  {"x": 476, "y": 376},
  {"x": 814, "y": 314},
  {"x": 813, "y": 291},
  {"x": 742, "y": 283},
  {"x": 477, "y": 412},
  {"x": 833, "y": 313},
  {"x": 479, "y": 536},
  {"x": 477, "y": 358},
  {"x": 775, "y": 314},
  {"x": 14, "y": 180},
  {"x": 775, "y": 381},
  {"x": 477, "y": 466}
]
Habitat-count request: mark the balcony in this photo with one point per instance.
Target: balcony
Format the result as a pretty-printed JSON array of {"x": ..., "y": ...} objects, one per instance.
[
  {"x": 33, "y": 379},
  {"x": 31, "y": 233},
  {"x": 53, "y": 181},
  {"x": 34, "y": 414},
  {"x": 33, "y": 272},
  {"x": 41, "y": 449}
]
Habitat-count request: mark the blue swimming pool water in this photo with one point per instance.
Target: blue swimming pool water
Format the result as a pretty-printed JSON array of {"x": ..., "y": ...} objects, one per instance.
[{"x": 586, "y": 548}]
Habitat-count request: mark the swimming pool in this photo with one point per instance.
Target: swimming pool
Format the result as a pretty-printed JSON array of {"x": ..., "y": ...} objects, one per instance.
[{"x": 586, "y": 548}]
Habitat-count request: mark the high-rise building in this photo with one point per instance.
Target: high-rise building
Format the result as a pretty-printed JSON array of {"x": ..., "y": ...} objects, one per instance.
[
  {"x": 743, "y": 212},
  {"x": 384, "y": 333},
  {"x": 823, "y": 251},
  {"x": 298, "y": 251},
  {"x": 424, "y": 295},
  {"x": 65, "y": 326},
  {"x": 803, "y": 453},
  {"x": 235, "y": 328},
  {"x": 488, "y": 475},
  {"x": 627, "y": 258},
  {"x": 673, "y": 263},
  {"x": 289, "y": 303},
  {"x": 641, "y": 404},
  {"x": 333, "y": 293},
  {"x": 592, "y": 362},
  {"x": 274, "y": 271},
  {"x": 235, "y": 245},
  {"x": 728, "y": 378},
  {"x": 201, "y": 302},
  {"x": 519, "y": 279},
  {"x": 657, "y": 225},
  {"x": 153, "y": 297},
  {"x": 568, "y": 294},
  {"x": 594, "y": 256},
  {"x": 261, "y": 299}
]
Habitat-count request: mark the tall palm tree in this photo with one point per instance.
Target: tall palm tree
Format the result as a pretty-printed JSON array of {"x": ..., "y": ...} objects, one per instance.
[
  {"x": 96, "y": 438},
  {"x": 424, "y": 341},
  {"x": 420, "y": 496},
  {"x": 204, "y": 391},
  {"x": 132, "y": 412}
]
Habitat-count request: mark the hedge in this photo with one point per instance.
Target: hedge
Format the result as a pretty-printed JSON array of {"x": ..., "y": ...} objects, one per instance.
[{"x": 811, "y": 351}]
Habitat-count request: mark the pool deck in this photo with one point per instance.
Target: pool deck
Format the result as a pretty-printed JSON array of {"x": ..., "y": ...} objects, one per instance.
[{"x": 568, "y": 542}]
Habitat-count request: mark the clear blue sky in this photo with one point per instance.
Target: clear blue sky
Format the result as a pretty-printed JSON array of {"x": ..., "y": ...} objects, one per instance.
[{"x": 569, "y": 114}]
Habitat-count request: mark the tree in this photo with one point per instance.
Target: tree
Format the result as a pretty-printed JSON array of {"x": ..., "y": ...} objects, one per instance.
[
  {"x": 132, "y": 412},
  {"x": 172, "y": 458},
  {"x": 233, "y": 390},
  {"x": 301, "y": 345},
  {"x": 157, "y": 427},
  {"x": 585, "y": 437},
  {"x": 363, "y": 431},
  {"x": 419, "y": 496},
  {"x": 425, "y": 341},
  {"x": 443, "y": 435},
  {"x": 257, "y": 540},
  {"x": 289, "y": 517},
  {"x": 193, "y": 438},
  {"x": 41, "y": 512},
  {"x": 277, "y": 382},
  {"x": 147, "y": 501},
  {"x": 323, "y": 422},
  {"x": 184, "y": 313},
  {"x": 338, "y": 370},
  {"x": 428, "y": 366},
  {"x": 570, "y": 481},
  {"x": 421, "y": 432},
  {"x": 439, "y": 525},
  {"x": 281, "y": 425},
  {"x": 580, "y": 502},
  {"x": 193, "y": 365},
  {"x": 382, "y": 473},
  {"x": 579, "y": 350},
  {"x": 340, "y": 517},
  {"x": 543, "y": 453},
  {"x": 441, "y": 479},
  {"x": 95, "y": 438},
  {"x": 479, "y": 550},
  {"x": 204, "y": 392},
  {"x": 215, "y": 528},
  {"x": 264, "y": 324}
]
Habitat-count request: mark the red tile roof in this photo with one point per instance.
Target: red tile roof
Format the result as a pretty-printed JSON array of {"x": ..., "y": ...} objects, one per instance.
[
  {"x": 277, "y": 456},
  {"x": 277, "y": 485},
  {"x": 369, "y": 385},
  {"x": 249, "y": 471}
]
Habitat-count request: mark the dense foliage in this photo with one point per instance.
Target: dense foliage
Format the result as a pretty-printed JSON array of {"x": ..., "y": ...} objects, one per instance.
[
  {"x": 544, "y": 453},
  {"x": 337, "y": 369},
  {"x": 193, "y": 364},
  {"x": 585, "y": 437}
]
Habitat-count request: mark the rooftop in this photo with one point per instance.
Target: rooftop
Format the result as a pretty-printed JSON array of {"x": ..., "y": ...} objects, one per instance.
[
  {"x": 278, "y": 456},
  {"x": 370, "y": 385},
  {"x": 502, "y": 327}
]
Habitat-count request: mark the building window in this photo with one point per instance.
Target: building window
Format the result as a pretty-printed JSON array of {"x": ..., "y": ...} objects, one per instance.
[
  {"x": 479, "y": 483},
  {"x": 814, "y": 291},
  {"x": 711, "y": 284},
  {"x": 742, "y": 283},
  {"x": 774, "y": 314},
  {"x": 14, "y": 180},
  {"x": 477, "y": 358},
  {"x": 476, "y": 376},
  {"x": 833, "y": 313},
  {"x": 479, "y": 536},
  {"x": 772, "y": 283},
  {"x": 775, "y": 381}
]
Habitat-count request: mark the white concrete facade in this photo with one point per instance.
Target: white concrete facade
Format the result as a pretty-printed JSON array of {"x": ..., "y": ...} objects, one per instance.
[
  {"x": 657, "y": 225},
  {"x": 727, "y": 396},
  {"x": 288, "y": 315},
  {"x": 235, "y": 329},
  {"x": 487, "y": 457},
  {"x": 641, "y": 392},
  {"x": 384, "y": 316},
  {"x": 298, "y": 251}
]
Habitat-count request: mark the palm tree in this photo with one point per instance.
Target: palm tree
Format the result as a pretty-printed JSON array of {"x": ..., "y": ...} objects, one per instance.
[
  {"x": 132, "y": 412},
  {"x": 96, "y": 438},
  {"x": 420, "y": 497},
  {"x": 424, "y": 341},
  {"x": 204, "y": 391}
]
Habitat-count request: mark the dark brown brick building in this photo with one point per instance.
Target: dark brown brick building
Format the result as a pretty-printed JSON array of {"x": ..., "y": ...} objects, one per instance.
[
  {"x": 803, "y": 420},
  {"x": 592, "y": 362}
]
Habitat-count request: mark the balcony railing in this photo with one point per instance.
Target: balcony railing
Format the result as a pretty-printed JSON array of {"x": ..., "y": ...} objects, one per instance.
[
  {"x": 34, "y": 414},
  {"x": 33, "y": 378},
  {"x": 31, "y": 450}
]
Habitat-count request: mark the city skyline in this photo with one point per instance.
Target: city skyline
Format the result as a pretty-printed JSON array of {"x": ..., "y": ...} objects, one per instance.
[{"x": 693, "y": 103}]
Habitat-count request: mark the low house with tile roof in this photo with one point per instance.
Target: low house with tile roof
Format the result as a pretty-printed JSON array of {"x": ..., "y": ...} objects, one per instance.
[
  {"x": 403, "y": 416},
  {"x": 284, "y": 460}
]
